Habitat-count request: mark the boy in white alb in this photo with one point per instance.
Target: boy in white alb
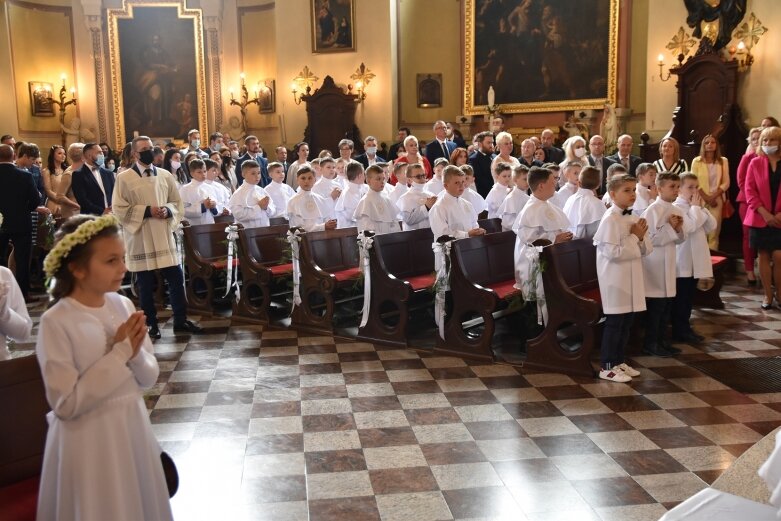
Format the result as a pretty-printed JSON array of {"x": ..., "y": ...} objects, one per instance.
[
  {"x": 341, "y": 178},
  {"x": 278, "y": 190},
  {"x": 307, "y": 210},
  {"x": 326, "y": 187},
  {"x": 416, "y": 204},
  {"x": 436, "y": 184},
  {"x": 615, "y": 169},
  {"x": 516, "y": 199},
  {"x": 496, "y": 196},
  {"x": 387, "y": 188},
  {"x": 477, "y": 200},
  {"x": 221, "y": 194},
  {"x": 692, "y": 255},
  {"x": 570, "y": 173},
  {"x": 665, "y": 228},
  {"x": 348, "y": 201},
  {"x": 375, "y": 211},
  {"x": 621, "y": 240},
  {"x": 539, "y": 219},
  {"x": 200, "y": 206},
  {"x": 400, "y": 172},
  {"x": 646, "y": 187},
  {"x": 584, "y": 209},
  {"x": 316, "y": 168},
  {"x": 250, "y": 204},
  {"x": 452, "y": 215}
]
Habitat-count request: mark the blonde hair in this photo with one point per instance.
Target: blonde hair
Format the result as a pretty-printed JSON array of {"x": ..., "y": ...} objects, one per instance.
[
  {"x": 768, "y": 133},
  {"x": 504, "y": 136},
  {"x": 676, "y": 147}
]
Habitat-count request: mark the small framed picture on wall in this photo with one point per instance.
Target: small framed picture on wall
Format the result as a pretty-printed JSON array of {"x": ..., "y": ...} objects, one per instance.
[
  {"x": 41, "y": 98},
  {"x": 267, "y": 97},
  {"x": 429, "y": 89}
]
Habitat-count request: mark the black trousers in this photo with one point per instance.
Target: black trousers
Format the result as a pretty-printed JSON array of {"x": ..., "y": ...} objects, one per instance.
[
  {"x": 615, "y": 336},
  {"x": 682, "y": 305},
  {"x": 23, "y": 245},
  {"x": 146, "y": 282},
  {"x": 657, "y": 318}
]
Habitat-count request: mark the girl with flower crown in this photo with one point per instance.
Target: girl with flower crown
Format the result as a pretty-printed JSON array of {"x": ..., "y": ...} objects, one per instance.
[{"x": 102, "y": 460}]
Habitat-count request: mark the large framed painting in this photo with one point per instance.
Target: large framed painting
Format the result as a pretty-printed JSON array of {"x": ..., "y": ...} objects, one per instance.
[
  {"x": 157, "y": 71},
  {"x": 333, "y": 25},
  {"x": 540, "y": 55}
]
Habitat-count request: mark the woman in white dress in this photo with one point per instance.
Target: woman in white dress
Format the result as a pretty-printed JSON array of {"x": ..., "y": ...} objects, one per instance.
[
  {"x": 504, "y": 143},
  {"x": 102, "y": 460},
  {"x": 301, "y": 150}
]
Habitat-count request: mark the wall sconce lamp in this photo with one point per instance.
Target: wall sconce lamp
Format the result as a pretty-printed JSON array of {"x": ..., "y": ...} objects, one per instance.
[
  {"x": 362, "y": 76},
  {"x": 302, "y": 84},
  {"x": 63, "y": 104},
  {"x": 749, "y": 34},
  {"x": 244, "y": 101},
  {"x": 660, "y": 62}
]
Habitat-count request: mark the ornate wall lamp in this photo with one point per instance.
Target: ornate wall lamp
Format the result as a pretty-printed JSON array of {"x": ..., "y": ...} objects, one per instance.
[
  {"x": 244, "y": 101},
  {"x": 749, "y": 34},
  {"x": 362, "y": 76},
  {"x": 302, "y": 84},
  {"x": 63, "y": 104}
]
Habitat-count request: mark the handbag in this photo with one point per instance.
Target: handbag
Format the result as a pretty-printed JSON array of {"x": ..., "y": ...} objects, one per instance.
[
  {"x": 727, "y": 210},
  {"x": 170, "y": 472}
]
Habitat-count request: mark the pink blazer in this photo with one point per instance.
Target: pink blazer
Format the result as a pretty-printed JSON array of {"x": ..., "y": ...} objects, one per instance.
[
  {"x": 742, "y": 171},
  {"x": 757, "y": 188}
]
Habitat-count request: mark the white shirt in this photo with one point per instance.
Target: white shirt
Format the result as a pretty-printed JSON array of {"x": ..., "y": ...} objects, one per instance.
[
  {"x": 619, "y": 264},
  {"x": 451, "y": 216},
  {"x": 642, "y": 201},
  {"x": 308, "y": 211},
  {"x": 693, "y": 254},
  {"x": 511, "y": 207},
  {"x": 280, "y": 193},
  {"x": 398, "y": 190},
  {"x": 434, "y": 185},
  {"x": 564, "y": 193},
  {"x": 584, "y": 211},
  {"x": 193, "y": 195},
  {"x": 347, "y": 203},
  {"x": 96, "y": 174},
  {"x": 412, "y": 206},
  {"x": 221, "y": 194},
  {"x": 659, "y": 265},
  {"x": 376, "y": 212},
  {"x": 478, "y": 203},
  {"x": 323, "y": 187},
  {"x": 494, "y": 199},
  {"x": 244, "y": 206}
]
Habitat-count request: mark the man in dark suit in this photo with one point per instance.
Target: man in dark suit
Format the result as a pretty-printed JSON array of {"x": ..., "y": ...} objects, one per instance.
[
  {"x": 393, "y": 153},
  {"x": 281, "y": 152},
  {"x": 18, "y": 199},
  {"x": 624, "y": 155},
  {"x": 481, "y": 162},
  {"x": 440, "y": 146},
  {"x": 597, "y": 159},
  {"x": 92, "y": 184},
  {"x": 369, "y": 157},
  {"x": 553, "y": 154},
  {"x": 253, "y": 152}
]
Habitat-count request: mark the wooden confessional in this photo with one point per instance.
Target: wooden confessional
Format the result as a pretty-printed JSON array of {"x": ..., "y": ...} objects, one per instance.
[{"x": 330, "y": 118}]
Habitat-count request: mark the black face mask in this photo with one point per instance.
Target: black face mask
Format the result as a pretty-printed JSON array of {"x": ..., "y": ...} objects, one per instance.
[{"x": 147, "y": 157}]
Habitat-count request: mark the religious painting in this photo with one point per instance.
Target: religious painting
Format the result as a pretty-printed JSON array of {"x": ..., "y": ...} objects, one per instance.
[
  {"x": 157, "y": 71},
  {"x": 41, "y": 98},
  {"x": 429, "y": 88},
  {"x": 540, "y": 55},
  {"x": 267, "y": 97},
  {"x": 333, "y": 26}
]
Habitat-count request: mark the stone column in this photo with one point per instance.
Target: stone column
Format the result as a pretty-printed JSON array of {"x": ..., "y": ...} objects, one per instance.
[{"x": 213, "y": 55}]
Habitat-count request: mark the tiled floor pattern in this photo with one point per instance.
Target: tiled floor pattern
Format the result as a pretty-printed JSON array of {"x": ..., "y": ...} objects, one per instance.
[{"x": 272, "y": 425}]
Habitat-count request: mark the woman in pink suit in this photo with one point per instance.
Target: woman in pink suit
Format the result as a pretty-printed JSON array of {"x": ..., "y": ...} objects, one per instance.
[
  {"x": 763, "y": 196},
  {"x": 749, "y": 253}
]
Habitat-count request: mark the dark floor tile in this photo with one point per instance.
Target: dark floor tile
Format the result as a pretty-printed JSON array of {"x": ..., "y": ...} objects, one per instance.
[
  {"x": 677, "y": 437},
  {"x": 445, "y": 373},
  {"x": 195, "y": 345},
  {"x": 387, "y": 437},
  {"x": 764, "y": 428},
  {"x": 497, "y": 430},
  {"x": 242, "y": 352},
  {"x": 196, "y": 365},
  {"x": 432, "y": 416},
  {"x": 702, "y": 416},
  {"x": 709, "y": 476},
  {"x": 365, "y": 377},
  {"x": 185, "y": 414},
  {"x": 321, "y": 368},
  {"x": 241, "y": 372},
  {"x": 317, "y": 349},
  {"x": 629, "y": 403},
  {"x": 612, "y": 492},
  {"x": 328, "y": 422},
  {"x": 471, "y": 398},
  {"x": 186, "y": 387},
  {"x": 520, "y": 472},
  {"x": 278, "y": 342},
  {"x": 359, "y": 356},
  {"x": 406, "y": 363},
  {"x": 375, "y": 403},
  {"x": 452, "y": 453},
  {"x": 275, "y": 444},
  {"x": 274, "y": 489},
  {"x": 601, "y": 423},
  {"x": 737, "y": 449},
  {"x": 335, "y": 461},
  {"x": 564, "y": 392},
  {"x": 725, "y": 397},
  {"x": 677, "y": 371},
  {"x": 505, "y": 382},
  {"x": 229, "y": 398},
  {"x": 419, "y": 387},
  {"x": 266, "y": 361},
  {"x": 654, "y": 386},
  {"x": 404, "y": 480},
  {"x": 352, "y": 509},
  {"x": 641, "y": 462},
  {"x": 324, "y": 392},
  {"x": 567, "y": 445},
  {"x": 274, "y": 409},
  {"x": 220, "y": 428},
  {"x": 521, "y": 411},
  {"x": 482, "y": 502}
]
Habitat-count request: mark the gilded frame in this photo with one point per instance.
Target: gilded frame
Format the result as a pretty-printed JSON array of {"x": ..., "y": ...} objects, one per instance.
[
  {"x": 336, "y": 9},
  {"x": 183, "y": 13},
  {"x": 470, "y": 70}
]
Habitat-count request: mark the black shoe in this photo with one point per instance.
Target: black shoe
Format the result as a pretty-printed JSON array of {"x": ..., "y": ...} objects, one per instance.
[
  {"x": 154, "y": 332},
  {"x": 672, "y": 350},
  {"x": 657, "y": 350},
  {"x": 688, "y": 338},
  {"x": 188, "y": 327}
]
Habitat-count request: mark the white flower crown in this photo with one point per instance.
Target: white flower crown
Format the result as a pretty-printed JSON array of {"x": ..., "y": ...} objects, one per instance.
[{"x": 81, "y": 235}]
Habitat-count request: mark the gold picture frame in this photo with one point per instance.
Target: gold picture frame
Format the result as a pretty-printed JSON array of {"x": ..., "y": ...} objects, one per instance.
[
  {"x": 509, "y": 89},
  {"x": 267, "y": 97},
  {"x": 336, "y": 17},
  {"x": 41, "y": 98},
  {"x": 147, "y": 87}
]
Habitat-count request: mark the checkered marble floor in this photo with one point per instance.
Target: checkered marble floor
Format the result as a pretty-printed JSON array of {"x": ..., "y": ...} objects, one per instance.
[{"x": 273, "y": 425}]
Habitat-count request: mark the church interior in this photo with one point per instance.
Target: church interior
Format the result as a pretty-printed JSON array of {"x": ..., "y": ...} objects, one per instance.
[{"x": 269, "y": 416}]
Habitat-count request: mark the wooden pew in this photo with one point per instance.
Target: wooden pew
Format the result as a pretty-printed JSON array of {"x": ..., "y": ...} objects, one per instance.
[
  {"x": 206, "y": 254},
  {"x": 329, "y": 272},
  {"x": 402, "y": 275},
  {"x": 493, "y": 225},
  {"x": 223, "y": 219},
  {"x": 482, "y": 279},
  {"x": 265, "y": 272},
  {"x": 711, "y": 298},
  {"x": 574, "y": 310},
  {"x": 277, "y": 221}
]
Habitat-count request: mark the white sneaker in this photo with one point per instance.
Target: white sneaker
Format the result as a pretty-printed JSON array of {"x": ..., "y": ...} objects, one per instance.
[
  {"x": 627, "y": 369},
  {"x": 615, "y": 375}
]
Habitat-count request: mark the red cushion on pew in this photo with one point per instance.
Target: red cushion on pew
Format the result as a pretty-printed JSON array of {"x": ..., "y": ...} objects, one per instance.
[
  {"x": 19, "y": 502},
  {"x": 717, "y": 260},
  {"x": 504, "y": 289},
  {"x": 349, "y": 273},
  {"x": 280, "y": 269},
  {"x": 421, "y": 281},
  {"x": 221, "y": 264},
  {"x": 592, "y": 294}
]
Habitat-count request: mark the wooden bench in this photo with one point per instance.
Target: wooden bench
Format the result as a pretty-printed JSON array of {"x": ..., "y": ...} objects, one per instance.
[
  {"x": 574, "y": 310},
  {"x": 329, "y": 275},
  {"x": 493, "y": 225},
  {"x": 223, "y": 219},
  {"x": 266, "y": 272},
  {"x": 23, "y": 408},
  {"x": 206, "y": 255},
  {"x": 402, "y": 275},
  {"x": 482, "y": 285},
  {"x": 278, "y": 221},
  {"x": 711, "y": 298}
]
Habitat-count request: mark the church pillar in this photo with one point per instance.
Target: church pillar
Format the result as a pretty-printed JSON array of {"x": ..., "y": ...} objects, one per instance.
[
  {"x": 94, "y": 21},
  {"x": 213, "y": 24}
]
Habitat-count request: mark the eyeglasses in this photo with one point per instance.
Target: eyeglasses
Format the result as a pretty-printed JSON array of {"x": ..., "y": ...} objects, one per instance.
[{"x": 421, "y": 176}]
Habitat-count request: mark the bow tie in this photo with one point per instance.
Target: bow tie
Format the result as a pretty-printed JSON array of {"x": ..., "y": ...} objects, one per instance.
[{"x": 628, "y": 211}]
